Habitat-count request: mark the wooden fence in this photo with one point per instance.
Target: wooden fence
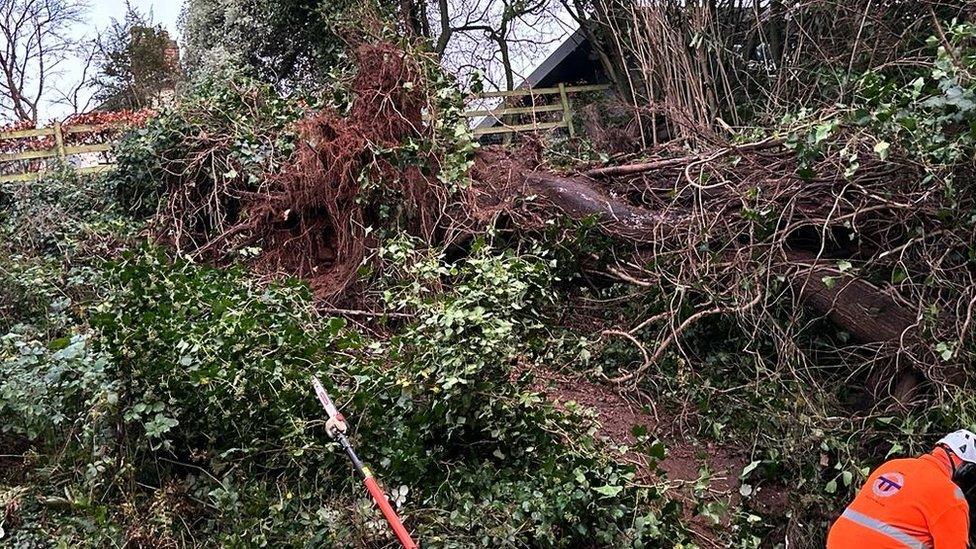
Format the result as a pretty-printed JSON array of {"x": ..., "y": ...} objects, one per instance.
[
  {"x": 60, "y": 150},
  {"x": 564, "y": 106}
]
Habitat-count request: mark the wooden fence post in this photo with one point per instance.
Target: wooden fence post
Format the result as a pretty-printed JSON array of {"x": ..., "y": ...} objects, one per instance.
[
  {"x": 567, "y": 112},
  {"x": 59, "y": 141}
]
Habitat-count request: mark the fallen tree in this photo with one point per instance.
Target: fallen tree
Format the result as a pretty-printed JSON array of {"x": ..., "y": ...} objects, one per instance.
[
  {"x": 751, "y": 236},
  {"x": 817, "y": 221}
]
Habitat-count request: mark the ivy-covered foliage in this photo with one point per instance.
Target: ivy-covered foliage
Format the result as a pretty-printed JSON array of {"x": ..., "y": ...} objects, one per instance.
[
  {"x": 152, "y": 389},
  {"x": 53, "y": 233},
  {"x": 227, "y": 130},
  {"x": 196, "y": 379},
  {"x": 153, "y": 398},
  {"x": 927, "y": 114}
]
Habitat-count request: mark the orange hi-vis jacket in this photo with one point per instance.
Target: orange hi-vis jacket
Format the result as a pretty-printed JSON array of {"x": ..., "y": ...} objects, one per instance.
[{"x": 905, "y": 504}]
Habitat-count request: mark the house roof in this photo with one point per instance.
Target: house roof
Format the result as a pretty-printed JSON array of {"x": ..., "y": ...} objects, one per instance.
[{"x": 555, "y": 58}]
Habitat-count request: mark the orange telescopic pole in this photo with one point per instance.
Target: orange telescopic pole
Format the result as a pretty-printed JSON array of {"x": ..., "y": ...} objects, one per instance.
[{"x": 371, "y": 486}]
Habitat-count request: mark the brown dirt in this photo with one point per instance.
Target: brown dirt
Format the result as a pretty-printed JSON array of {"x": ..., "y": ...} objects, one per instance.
[{"x": 686, "y": 457}]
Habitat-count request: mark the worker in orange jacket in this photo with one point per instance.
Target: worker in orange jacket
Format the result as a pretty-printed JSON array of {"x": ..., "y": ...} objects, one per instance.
[{"x": 913, "y": 503}]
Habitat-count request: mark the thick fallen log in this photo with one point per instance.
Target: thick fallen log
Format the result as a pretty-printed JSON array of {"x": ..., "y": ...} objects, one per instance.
[
  {"x": 865, "y": 311},
  {"x": 860, "y": 308},
  {"x": 581, "y": 197}
]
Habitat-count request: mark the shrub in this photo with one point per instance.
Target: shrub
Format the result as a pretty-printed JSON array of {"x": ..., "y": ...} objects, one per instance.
[
  {"x": 54, "y": 234},
  {"x": 226, "y": 133},
  {"x": 196, "y": 381}
]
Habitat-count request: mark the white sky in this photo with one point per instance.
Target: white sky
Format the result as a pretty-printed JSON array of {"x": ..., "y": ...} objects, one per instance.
[{"x": 165, "y": 12}]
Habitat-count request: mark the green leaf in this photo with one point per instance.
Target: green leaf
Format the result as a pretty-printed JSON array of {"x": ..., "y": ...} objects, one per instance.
[
  {"x": 657, "y": 450},
  {"x": 945, "y": 350},
  {"x": 823, "y": 131},
  {"x": 608, "y": 490},
  {"x": 59, "y": 343},
  {"x": 881, "y": 147},
  {"x": 829, "y": 281},
  {"x": 749, "y": 468}
]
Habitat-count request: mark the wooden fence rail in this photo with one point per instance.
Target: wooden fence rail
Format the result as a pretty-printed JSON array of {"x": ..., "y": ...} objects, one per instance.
[
  {"x": 60, "y": 150},
  {"x": 564, "y": 106}
]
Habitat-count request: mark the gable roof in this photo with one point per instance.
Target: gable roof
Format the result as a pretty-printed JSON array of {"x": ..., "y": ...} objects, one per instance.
[{"x": 568, "y": 46}]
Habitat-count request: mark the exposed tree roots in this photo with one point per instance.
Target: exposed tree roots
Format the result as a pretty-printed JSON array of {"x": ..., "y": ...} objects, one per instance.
[
  {"x": 312, "y": 221},
  {"x": 732, "y": 231}
]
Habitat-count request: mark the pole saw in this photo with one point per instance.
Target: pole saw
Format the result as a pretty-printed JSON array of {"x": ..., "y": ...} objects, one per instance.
[{"x": 336, "y": 427}]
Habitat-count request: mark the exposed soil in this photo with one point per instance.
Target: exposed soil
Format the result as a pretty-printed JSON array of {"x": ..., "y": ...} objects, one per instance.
[{"x": 712, "y": 468}]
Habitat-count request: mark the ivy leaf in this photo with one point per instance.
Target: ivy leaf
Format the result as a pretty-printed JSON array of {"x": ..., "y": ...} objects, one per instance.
[
  {"x": 881, "y": 147},
  {"x": 831, "y": 487},
  {"x": 59, "y": 343},
  {"x": 823, "y": 131},
  {"x": 945, "y": 350},
  {"x": 829, "y": 282},
  {"x": 896, "y": 448},
  {"x": 847, "y": 477},
  {"x": 608, "y": 490},
  {"x": 843, "y": 265},
  {"x": 657, "y": 450}
]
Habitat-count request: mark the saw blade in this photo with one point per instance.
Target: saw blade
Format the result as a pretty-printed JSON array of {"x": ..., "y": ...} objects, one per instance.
[{"x": 324, "y": 398}]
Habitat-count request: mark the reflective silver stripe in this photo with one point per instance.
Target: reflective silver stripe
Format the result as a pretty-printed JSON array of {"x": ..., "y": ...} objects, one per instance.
[{"x": 884, "y": 529}]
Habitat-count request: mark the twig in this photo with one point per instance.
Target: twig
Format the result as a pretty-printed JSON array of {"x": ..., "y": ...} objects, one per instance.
[
  {"x": 680, "y": 330},
  {"x": 629, "y": 169},
  {"x": 356, "y": 312},
  {"x": 640, "y": 167}
]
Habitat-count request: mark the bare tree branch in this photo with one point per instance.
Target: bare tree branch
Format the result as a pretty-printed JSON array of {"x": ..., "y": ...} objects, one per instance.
[{"x": 35, "y": 42}]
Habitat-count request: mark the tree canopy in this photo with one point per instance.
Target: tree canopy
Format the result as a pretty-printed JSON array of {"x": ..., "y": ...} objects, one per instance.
[{"x": 139, "y": 63}]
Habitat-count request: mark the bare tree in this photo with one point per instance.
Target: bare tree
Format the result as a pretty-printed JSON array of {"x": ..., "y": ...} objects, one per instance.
[
  {"x": 35, "y": 43},
  {"x": 488, "y": 30},
  {"x": 78, "y": 95}
]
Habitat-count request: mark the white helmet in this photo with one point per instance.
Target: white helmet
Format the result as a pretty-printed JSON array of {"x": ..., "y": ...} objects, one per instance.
[{"x": 962, "y": 443}]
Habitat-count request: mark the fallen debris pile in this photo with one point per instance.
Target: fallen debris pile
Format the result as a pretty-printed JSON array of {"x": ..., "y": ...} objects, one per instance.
[{"x": 745, "y": 231}]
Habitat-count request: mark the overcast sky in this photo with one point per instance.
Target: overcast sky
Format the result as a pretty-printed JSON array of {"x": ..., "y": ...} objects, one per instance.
[
  {"x": 546, "y": 35},
  {"x": 165, "y": 12}
]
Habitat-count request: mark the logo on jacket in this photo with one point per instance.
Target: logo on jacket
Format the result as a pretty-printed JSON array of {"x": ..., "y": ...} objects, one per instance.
[{"x": 888, "y": 484}]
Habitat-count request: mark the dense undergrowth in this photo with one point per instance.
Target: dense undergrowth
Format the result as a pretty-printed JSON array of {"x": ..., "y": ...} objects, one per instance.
[
  {"x": 166, "y": 403},
  {"x": 178, "y": 391},
  {"x": 154, "y": 398}
]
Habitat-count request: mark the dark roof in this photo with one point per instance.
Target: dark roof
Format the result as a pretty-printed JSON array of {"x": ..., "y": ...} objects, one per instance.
[
  {"x": 568, "y": 46},
  {"x": 568, "y": 63}
]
